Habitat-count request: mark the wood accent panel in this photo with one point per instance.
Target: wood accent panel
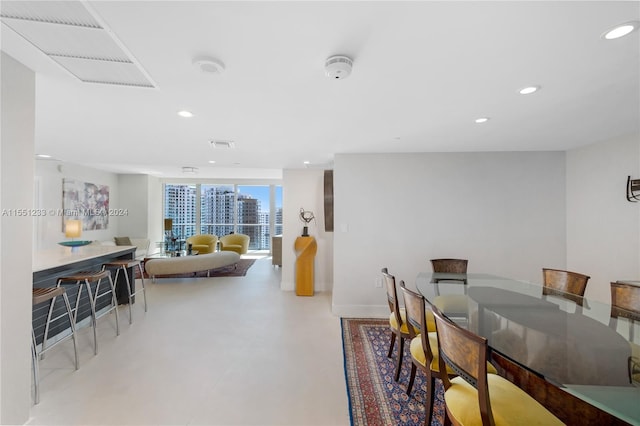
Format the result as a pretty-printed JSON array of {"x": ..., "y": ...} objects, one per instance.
[
  {"x": 568, "y": 408},
  {"x": 328, "y": 200}
]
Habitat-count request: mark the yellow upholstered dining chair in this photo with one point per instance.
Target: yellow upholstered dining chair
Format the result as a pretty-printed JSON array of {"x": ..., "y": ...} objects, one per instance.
[
  {"x": 564, "y": 284},
  {"x": 424, "y": 347},
  {"x": 475, "y": 397},
  {"x": 625, "y": 302},
  {"x": 203, "y": 243},
  {"x": 398, "y": 319},
  {"x": 235, "y": 242},
  {"x": 451, "y": 302},
  {"x": 453, "y": 266}
]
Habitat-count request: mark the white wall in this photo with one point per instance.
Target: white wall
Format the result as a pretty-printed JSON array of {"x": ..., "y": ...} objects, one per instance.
[
  {"x": 603, "y": 228},
  {"x": 304, "y": 188},
  {"x": 505, "y": 212},
  {"x": 16, "y": 192},
  {"x": 49, "y": 175}
]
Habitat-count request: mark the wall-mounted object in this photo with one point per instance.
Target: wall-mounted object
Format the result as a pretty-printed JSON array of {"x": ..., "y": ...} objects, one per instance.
[
  {"x": 633, "y": 189},
  {"x": 328, "y": 200}
]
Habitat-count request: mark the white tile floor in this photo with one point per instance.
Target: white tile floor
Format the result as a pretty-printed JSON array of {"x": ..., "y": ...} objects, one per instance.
[{"x": 218, "y": 351}]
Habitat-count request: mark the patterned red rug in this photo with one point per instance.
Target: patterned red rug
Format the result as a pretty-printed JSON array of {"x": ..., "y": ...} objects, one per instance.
[
  {"x": 226, "y": 271},
  {"x": 375, "y": 399}
]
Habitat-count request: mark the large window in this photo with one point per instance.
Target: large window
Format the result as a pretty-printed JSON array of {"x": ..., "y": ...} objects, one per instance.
[
  {"x": 180, "y": 205},
  {"x": 254, "y": 210}
]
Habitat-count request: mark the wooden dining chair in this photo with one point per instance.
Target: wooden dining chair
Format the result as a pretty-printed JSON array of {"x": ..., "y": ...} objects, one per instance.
[
  {"x": 423, "y": 347},
  {"x": 475, "y": 397},
  {"x": 397, "y": 323},
  {"x": 452, "y": 266},
  {"x": 451, "y": 302},
  {"x": 625, "y": 303},
  {"x": 398, "y": 320},
  {"x": 567, "y": 284}
]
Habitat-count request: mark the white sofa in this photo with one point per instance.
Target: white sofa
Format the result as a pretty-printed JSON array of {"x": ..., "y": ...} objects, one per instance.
[{"x": 188, "y": 264}]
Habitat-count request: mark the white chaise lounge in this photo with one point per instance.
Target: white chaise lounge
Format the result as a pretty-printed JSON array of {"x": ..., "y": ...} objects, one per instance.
[{"x": 188, "y": 264}]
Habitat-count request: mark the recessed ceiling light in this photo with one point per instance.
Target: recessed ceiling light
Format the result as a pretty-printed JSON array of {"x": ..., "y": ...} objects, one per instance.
[
  {"x": 306, "y": 162},
  {"x": 620, "y": 30},
  {"x": 212, "y": 161},
  {"x": 482, "y": 120},
  {"x": 43, "y": 156},
  {"x": 185, "y": 114},
  {"x": 529, "y": 90}
]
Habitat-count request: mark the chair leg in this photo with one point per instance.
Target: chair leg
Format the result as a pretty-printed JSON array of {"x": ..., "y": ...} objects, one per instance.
[
  {"x": 412, "y": 377},
  {"x": 36, "y": 369},
  {"x": 144, "y": 289},
  {"x": 399, "y": 361},
  {"x": 73, "y": 328},
  {"x": 428, "y": 402},
  {"x": 115, "y": 303},
  {"x": 393, "y": 340},
  {"x": 94, "y": 321}
]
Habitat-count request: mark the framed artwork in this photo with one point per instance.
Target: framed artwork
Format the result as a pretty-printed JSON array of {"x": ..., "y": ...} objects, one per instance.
[{"x": 87, "y": 202}]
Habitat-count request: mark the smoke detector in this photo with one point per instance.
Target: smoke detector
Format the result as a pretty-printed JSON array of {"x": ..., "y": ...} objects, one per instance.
[
  {"x": 338, "y": 67},
  {"x": 209, "y": 65}
]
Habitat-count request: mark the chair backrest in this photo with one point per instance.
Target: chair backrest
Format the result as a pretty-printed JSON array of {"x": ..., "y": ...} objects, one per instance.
[
  {"x": 416, "y": 309},
  {"x": 236, "y": 239},
  {"x": 625, "y": 301},
  {"x": 453, "y": 266},
  {"x": 565, "y": 284},
  {"x": 465, "y": 353},
  {"x": 392, "y": 295}
]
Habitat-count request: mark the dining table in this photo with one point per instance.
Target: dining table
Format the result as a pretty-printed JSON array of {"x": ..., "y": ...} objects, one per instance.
[{"x": 566, "y": 351}]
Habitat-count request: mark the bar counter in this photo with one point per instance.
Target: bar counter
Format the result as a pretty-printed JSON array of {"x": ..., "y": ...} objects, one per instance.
[{"x": 49, "y": 265}]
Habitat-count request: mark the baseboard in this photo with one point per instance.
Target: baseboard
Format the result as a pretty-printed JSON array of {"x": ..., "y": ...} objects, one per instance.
[{"x": 360, "y": 311}]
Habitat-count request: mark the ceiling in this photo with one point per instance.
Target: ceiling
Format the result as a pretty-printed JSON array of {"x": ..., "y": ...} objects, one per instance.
[{"x": 422, "y": 73}]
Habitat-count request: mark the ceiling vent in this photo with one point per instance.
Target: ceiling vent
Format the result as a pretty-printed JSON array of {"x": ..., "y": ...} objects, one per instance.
[
  {"x": 71, "y": 34},
  {"x": 209, "y": 65},
  {"x": 189, "y": 170},
  {"x": 222, "y": 144},
  {"x": 338, "y": 67}
]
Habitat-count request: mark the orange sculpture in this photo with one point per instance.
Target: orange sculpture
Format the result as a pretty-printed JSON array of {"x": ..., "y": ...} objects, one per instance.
[{"x": 306, "y": 248}]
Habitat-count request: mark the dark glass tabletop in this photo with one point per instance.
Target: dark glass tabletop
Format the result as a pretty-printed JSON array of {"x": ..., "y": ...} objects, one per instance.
[{"x": 579, "y": 348}]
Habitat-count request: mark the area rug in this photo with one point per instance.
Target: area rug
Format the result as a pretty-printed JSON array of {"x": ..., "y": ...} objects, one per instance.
[
  {"x": 375, "y": 399},
  {"x": 225, "y": 271}
]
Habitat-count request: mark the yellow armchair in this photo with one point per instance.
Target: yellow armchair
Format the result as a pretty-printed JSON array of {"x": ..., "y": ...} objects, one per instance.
[
  {"x": 235, "y": 242},
  {"x": 203, "y": 243}
]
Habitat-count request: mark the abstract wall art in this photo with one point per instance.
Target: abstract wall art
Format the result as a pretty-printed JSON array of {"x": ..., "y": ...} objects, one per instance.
[{"x": 87, "y": 202}]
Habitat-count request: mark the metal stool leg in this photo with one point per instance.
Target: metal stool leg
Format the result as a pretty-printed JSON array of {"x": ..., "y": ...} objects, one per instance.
[
  {"x": 94, "y": 320},
  {"x": 126, "y": 278},
  {"x": 73, "y": 329},
  {"x": 144, "y": 289},
  {"x": 49, "y": 295},
  {"x": 114, "y": 301},
  {"x": 122, "y": 266},
  {"x": 36, "y": 369}
]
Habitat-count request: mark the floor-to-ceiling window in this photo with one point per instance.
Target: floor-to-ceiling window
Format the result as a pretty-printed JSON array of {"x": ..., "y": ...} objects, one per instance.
[
  {"x": 254, "y": 210},
  {"x": 217, "y": 206},
  {"x": 180, "y": 205}
]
